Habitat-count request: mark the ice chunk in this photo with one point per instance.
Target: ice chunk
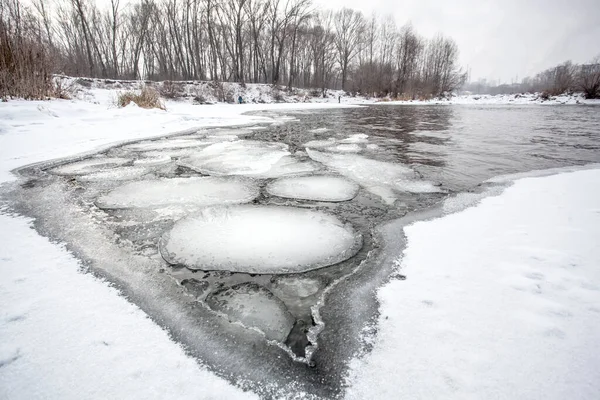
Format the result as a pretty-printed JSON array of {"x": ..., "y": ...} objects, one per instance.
[
  {"x": 116, "y": 174},
  {"x": 199, "y": 191},
  {"x": 320, "y": 188},
  {"x": 348, "y": 145},
  {"x": 254, "y": 307},
  {"x": 171, "y": 153},
  {"x": 318, "y": 130},
  {"x": 288, "y": 165},
  {"x": 296, "y": 287},
  {"x": 317, "y": 144},
  {"x": 261, "y": 240},
  {"x": 378, "y": 177},
  {"x": 164, "y": 144},
  {"x": 195, "y": 287},
  {"x": 357, "y": 138},
  {"x": 347, "y": 148},
  {"x": 90, "y": 165},
  {"x": 158, "y": 159},
  {"x": 247, "y": 157}
]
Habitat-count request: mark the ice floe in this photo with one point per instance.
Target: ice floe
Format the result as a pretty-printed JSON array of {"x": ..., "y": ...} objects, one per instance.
[
  {"x": 296, "y": 286},
  {"x": 356, "y": 138},
  {"x": 347, "y": 148},
  {"x": 90, "y": 165},
  {"x": 116, "y": 174},
  {"x": 198, "y": 191},
  {"x": 379, "y": 177},
  {"x": 249, "y": 158},
  {"x": 253, "y": 306},
  {"x": 319, "y": 188},
  {"x": 158, "y": 159},
  {"x": 318, "y": 130},
  {"x": 165, "y": 144},
  {"x": 262, "y": 240},
  {"x": 352, "y": 144}
]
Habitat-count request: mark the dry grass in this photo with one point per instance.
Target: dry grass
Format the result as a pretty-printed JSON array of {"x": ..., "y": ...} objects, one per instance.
[
  {"x": 24, "y": 64},
  {"x": 146, "y": 98}
]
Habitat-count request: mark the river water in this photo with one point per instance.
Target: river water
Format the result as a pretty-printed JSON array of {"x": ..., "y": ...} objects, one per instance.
[{"x": 406, "y": 160}]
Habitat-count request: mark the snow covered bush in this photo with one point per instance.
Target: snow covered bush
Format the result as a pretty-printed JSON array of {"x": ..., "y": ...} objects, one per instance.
[{"x": 146, "y": 98}]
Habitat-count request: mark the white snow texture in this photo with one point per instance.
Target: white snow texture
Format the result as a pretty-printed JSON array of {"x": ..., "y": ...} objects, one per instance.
[{"x": 500, "y": 301}]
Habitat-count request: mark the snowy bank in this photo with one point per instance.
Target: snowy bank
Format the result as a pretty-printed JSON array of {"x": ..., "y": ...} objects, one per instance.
[
  {"x": 207, "y": 92},
  {"x": 500, "y": 301},
  {"x": 65, "y": 334},
  {"x": 34, "y": 131},
  {"x": 501, "y": 99}
]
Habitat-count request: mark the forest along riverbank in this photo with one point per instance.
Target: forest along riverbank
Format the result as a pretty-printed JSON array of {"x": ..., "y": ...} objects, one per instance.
[{"x": 346, "y": 171}]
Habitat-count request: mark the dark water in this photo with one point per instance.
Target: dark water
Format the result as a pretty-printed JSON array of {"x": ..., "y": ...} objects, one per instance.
[
  {"x": 460, "y": 146},
  {"x": 452, "y": 148}
]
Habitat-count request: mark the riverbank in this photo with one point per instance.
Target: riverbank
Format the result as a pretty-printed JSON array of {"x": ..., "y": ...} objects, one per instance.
[
  {"x": 211, "y": 93},
  {"x": 500, "y": 300},
  {"x": 66, "y": 334}
]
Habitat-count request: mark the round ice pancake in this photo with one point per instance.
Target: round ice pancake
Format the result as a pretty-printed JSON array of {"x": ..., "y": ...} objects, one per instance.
[
  {"x": 253, "y": 306},
  {"x": 115, "y": 174},
  {"x": 259, "y": 240},
  {"x": 247, "y": 158},
  {"x": 165, "y": 144},
  {"x": 319, "y": 188},
  {"x": 200, "y": 191},
  {"x": 90, "y": 165}
]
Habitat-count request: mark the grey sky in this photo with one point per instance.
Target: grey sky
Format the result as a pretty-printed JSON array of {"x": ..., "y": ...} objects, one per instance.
[{"x": 500, "y": 39}]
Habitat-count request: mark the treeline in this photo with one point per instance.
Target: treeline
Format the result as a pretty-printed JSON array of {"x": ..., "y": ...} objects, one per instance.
[
  {"x": 563, "y": 78},
  {"x": 281, "y": 42}
]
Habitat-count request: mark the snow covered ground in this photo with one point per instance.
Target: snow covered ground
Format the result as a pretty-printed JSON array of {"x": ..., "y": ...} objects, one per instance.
[
  {"x": 501, "y": 99},
  {"x": 209, "y": 92},
  {"x": 65, "y": 334},
  {"x": 500, "y": 301},
  {"x": 41, "y": 130}
]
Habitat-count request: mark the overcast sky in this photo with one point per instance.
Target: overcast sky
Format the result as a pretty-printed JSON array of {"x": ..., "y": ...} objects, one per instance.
[{"x": 500, "y": 39}]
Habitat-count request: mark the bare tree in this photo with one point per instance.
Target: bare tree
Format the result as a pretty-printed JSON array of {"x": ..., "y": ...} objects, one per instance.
[
  {"x": 589, "y": 79},
  {"x": 349, "y": 26}
]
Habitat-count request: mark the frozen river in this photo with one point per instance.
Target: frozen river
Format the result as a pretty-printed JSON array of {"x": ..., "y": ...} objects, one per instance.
[{"x": 260, "y": 247}]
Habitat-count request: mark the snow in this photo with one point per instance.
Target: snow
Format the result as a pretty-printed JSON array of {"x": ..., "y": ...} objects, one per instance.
[
  {"x": 500, "y": 301},
  {"x": 247, "y": 158},
  {"x": 63, "y": 128},
  {"x": 90, "y": 165},
  {"x": 500, "y": 99},
  {"x": 379, "y": 177},
  {"x": 253, "y": 306},
  {"x": 259, "y": 239},
  {"x": 198, "y": 191},
  {"x": 317, "y": 187},
  {"x": 68, "y": 335}
]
